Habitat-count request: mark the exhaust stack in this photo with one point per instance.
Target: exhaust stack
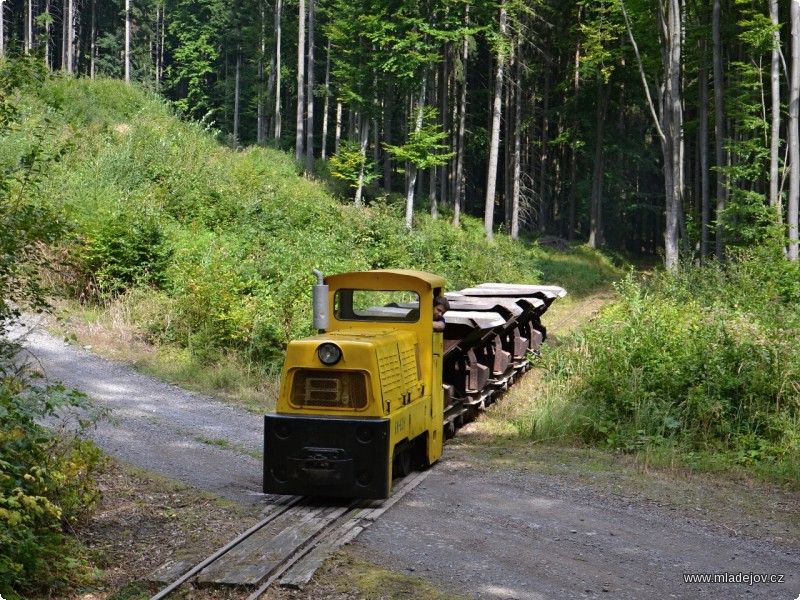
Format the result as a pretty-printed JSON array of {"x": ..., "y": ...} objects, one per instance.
[{"x": 321, "y": 308}]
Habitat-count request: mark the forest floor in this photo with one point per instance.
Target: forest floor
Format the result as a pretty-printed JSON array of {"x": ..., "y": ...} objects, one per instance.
[{"x": 497, "y": 518}]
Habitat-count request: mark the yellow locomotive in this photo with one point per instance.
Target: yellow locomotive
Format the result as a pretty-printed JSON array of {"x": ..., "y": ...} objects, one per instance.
[
  {"x": 362, "y": 401},
  {"x": 375, "y": 392}
]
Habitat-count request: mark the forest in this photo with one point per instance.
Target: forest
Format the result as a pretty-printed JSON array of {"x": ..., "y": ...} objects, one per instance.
[{"x": 661, "y": 128}]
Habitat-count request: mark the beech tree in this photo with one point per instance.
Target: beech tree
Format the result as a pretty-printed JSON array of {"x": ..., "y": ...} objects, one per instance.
[
  {"x": 301, "y": 80},
  {"x": 497, "y": 103},
  {"x": 127, "y": 41},
  {"x": 794, "y": 134}
]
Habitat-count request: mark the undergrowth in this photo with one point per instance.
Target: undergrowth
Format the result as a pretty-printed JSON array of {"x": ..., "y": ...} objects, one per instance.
[
  {"x": 701, "y": 362},
  {"x": 46, "y": 473},
  {"x": 217, "y": 246}
]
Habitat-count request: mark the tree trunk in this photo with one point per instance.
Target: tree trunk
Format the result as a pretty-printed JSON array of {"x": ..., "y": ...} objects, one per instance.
[
  {"x": 432, "y": 193},
  {"x": 127, "y": 41},
  {"x": 310, "y": 92},
  {"x": 2, "y": 28},
  {"x": 326, "y": 103},
  {"x": 364, "y": 131},
  {"x": 775, "y": 73},
  {"x": 573, "y": 164},
  {"x": 412, "y": 169},
  {"x": 69, "y": 34},
  {"x": 64, "y": 18},
  {"x": 598, "y": 172},
  {"x": 29, "y": 27},
  {"x": 705, "y": 180},
  {"x": 127, "y": 48},
  {"x": 462, "y": 125},
  {"x": 376, "y": 147},
  {"x": 544, "y": 163},
  {"x": 261, "y": 113},
  {"x": 673, "y": 154},
  {"x": 517, "y": 153},
  {"x": 719, "y": 132},
  {"x": 434, "y": 201},
  {"x": 337, "y": 137},
  {"x": 301, "y": 79},
  {"x": 506, "y": 133},
  {"x": 278, "y": 10},
  {"x": 387, "y": 138},
  {"x": 237, "y": 96},
  {"x": 444, "y": 113},
  {"x": 494, "y": 144},
  {"x": 794, "y": 142},
  {"x": 93, "y": 40},
  {"x": 161, "y": 45}
]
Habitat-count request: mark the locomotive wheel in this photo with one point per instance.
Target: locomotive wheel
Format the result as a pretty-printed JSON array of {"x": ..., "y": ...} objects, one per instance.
[{"x": 401, "y": 463}]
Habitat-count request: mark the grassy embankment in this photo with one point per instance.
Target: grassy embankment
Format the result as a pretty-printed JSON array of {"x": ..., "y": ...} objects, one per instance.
[{"x": 201, "y": 256}]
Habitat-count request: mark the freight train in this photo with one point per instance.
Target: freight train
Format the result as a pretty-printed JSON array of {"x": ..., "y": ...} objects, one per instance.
[{"x": 374, "y": 394}]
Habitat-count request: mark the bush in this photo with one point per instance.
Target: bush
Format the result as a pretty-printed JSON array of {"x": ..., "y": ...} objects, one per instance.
[
  {"x": 46, "y": 481},
  {"x": 704, "y": 358},
  {"x": 119, "y": 247}
]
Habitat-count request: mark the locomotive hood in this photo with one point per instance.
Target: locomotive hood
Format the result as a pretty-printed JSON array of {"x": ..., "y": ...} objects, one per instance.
[{"x": 377, "y": 369}]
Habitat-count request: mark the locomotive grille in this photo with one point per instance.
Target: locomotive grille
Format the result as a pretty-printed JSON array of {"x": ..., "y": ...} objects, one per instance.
[
  {"x": 317, "y": 388},
  {"x": 390, "y": 370},
  {"x": 411, "y": 367}
]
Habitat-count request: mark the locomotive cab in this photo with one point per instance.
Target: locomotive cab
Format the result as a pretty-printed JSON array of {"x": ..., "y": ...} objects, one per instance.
[{"x": 361, "y": 402}]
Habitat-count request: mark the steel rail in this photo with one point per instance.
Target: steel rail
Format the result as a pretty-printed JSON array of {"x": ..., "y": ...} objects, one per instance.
[
  {"x": 347, "y": 523},
  {"x": 202, "y": 565},
  {"x": 346, "y": 528}
]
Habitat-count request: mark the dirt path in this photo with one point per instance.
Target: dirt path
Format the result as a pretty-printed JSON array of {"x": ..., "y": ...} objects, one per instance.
[{"x": 475, "y": 528}]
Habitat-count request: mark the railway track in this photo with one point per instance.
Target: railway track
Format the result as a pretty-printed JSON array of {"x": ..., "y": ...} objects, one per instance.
[{"x": 287, "y": 546}]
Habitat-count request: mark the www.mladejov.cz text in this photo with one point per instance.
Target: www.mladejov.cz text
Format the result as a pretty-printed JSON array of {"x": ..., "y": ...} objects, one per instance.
[{"x": 727, "y": 577}]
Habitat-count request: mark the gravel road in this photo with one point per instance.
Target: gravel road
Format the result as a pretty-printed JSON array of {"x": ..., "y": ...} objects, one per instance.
[
  {"x": 483, "y": 533},
  {"x": 185, "y": 436},
  {"x": 501, "y": 534}
]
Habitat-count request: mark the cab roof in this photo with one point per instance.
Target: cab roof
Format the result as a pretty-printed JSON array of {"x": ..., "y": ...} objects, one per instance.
[{"x": 386, "y": 279}]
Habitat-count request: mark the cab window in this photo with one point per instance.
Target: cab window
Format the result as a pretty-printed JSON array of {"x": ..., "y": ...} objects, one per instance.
[{"x": 394, "y": 306}]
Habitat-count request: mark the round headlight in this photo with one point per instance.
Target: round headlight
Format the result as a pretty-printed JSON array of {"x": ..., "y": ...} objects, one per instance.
[{"x": 329, "y": 354}]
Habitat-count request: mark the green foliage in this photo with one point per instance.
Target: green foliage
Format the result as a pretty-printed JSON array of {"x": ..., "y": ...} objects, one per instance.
[
  {"x": 581, "y": 270},
  {"x": 703, "y": 358},
  {"x": 195, "y": 36},
  {"x": 218, "y": 295},
  {"x": 119, "y": 249},
  {"x": 347, "y": 164},
  {"x": 27, "y": 224},
  {"x": 101, "y": 106},
  {"x": 423, "y": 147},
  {"x": 748, "y": 218},
  {"x": 465, "y": 258},
  {"x": 600, "y": 36},
  {"x": 379, "y": 233},
  {"x": 45, "y": 478}
]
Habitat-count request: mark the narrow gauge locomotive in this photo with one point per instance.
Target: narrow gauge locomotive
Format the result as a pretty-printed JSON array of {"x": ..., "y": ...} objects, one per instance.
[{"x": 375, "y": 393}]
